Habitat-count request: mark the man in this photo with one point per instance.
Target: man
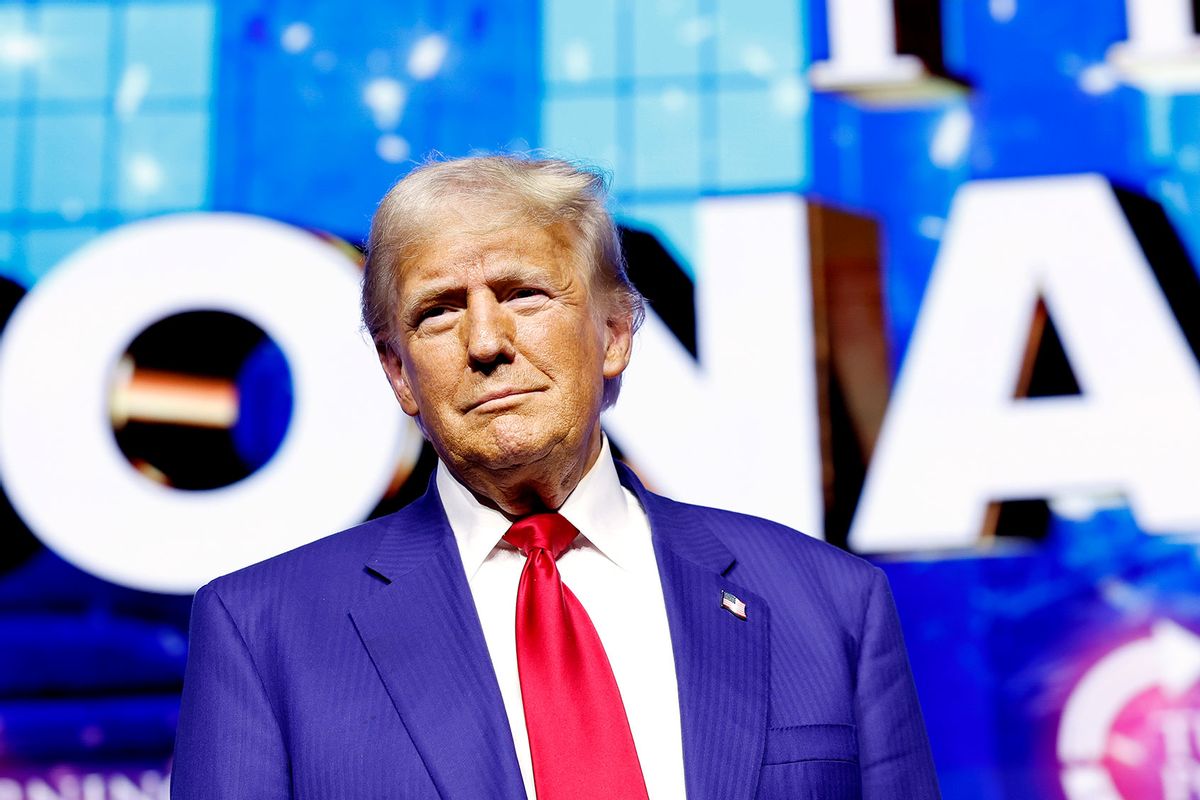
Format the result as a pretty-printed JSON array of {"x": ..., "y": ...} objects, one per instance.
[{"x": 658, "y": 648}]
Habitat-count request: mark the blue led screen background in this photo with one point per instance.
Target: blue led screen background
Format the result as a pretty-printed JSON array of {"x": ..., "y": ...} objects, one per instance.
[{"x": 922, "y": 281}]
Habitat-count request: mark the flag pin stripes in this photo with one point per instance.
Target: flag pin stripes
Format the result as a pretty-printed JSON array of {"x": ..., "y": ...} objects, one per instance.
[{"x": 733, "y": 605}]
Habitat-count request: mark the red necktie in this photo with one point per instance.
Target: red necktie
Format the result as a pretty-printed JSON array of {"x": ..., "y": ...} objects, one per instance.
[{"x": 578, "y": 733}]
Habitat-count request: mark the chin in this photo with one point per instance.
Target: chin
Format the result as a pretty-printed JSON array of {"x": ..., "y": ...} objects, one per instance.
[{"x": 505, "y": 442}]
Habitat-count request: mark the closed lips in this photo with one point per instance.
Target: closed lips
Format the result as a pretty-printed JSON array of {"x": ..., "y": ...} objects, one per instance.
[{"x": 498, "y": 395}]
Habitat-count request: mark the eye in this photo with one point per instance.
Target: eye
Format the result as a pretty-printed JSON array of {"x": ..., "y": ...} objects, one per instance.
[
  {"x": 434, "y": 314},
  {"x": 525, "y": 292}
]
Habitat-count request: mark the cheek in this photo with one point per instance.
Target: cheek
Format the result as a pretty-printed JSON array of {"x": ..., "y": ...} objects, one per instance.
[
  {"x": 573, "y": 339},
  {"x": 430, "y": 374},
  {"x": 580, "y": 372},
  {"x": 563, "y": 344},
  {"x": 571, "y": 361}
]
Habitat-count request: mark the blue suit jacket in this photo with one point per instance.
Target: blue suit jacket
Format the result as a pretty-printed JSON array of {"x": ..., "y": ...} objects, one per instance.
[{"x": 355, "y": 667}]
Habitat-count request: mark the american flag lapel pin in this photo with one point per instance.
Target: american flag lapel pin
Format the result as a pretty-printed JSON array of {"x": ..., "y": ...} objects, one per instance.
[{"x": 733, "y": 605}]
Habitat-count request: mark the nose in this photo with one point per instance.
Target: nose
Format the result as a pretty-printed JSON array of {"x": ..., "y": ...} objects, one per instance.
[{"x": 489, "y": 332}]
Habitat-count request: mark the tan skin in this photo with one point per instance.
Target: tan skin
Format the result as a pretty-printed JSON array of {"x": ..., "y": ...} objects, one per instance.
[{"x": 501, "y": 351}]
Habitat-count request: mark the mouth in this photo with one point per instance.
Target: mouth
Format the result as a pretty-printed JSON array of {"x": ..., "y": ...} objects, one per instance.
[{"x": 498, "y": 398}]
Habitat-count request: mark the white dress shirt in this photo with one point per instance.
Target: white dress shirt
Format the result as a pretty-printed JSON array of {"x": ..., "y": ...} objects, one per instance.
[{"x": 612, "y": 570}]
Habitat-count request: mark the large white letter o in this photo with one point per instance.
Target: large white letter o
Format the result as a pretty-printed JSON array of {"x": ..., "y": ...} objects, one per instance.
[{"x": 59, "y": 460}]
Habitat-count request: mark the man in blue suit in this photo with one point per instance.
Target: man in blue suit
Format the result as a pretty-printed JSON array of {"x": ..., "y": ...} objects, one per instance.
[{"x": 728, "y": 657}]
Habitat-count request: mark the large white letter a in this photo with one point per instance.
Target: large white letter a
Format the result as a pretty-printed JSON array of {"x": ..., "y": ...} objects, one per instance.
[{"x": 955, "y": 438}]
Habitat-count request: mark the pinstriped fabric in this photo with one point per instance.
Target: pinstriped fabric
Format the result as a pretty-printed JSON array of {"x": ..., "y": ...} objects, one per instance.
[
  {"x": 338, "y": 732},
  {"x": 886, "y": 702},
  {"x": 356, "y": 667},
  {"x": 247, "y": 758},
  {"x": 814, "y": 780},
  {"x": 722, "y": 667},
  {"x": 427, "y": 644},
  {"x": 837, "y": 658}
]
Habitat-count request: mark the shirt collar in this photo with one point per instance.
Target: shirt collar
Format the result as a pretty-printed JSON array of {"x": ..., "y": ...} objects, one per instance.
[{"x": 598, "y": 507}]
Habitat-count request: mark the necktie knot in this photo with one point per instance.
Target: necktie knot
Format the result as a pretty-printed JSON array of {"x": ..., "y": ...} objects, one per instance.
[{"x": 551, "y": 532}]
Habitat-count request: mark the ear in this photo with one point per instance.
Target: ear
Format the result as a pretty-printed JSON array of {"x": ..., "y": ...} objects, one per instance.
[
  {"x": 618, "y": 344},
  {"x": 397, "y": 376}
]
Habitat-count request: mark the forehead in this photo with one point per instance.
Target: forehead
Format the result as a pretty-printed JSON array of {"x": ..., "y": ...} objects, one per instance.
[{"x": 462, "y": 254}]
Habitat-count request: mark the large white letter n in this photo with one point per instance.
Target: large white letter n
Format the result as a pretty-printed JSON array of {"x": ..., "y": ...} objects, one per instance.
[{"x": 955, "y": 437}]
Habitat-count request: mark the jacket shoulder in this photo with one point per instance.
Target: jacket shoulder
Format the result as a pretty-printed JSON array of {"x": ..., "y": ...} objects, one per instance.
[
  {"x": 322, "y": 563},
  {"x": 787, "y": 567},
  {"x": 816, "y": 592},
  {"x": 757, "y": 540}
]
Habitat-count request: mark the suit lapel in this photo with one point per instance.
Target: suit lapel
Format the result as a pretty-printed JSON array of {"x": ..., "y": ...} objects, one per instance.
[
  {"x": 721, "y": 662},
  {"x": 424, "y": 637}
]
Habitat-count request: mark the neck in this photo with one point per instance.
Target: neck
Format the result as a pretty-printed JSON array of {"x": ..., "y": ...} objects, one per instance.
[{"x": 529, "y": 488}]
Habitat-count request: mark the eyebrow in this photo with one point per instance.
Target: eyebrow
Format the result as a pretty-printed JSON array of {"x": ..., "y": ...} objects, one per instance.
[
  {"x": 505, "y": 276},
  {"x": 424, "y": 299}
]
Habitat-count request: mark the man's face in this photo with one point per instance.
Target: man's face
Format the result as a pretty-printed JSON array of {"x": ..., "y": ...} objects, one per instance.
[{"x": 501, "y": 351}]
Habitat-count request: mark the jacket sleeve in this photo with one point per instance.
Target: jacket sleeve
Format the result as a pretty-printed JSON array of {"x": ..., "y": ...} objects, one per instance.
[
  {"x": 893, "y": 748},
  {"x": 228, "y": 743}
]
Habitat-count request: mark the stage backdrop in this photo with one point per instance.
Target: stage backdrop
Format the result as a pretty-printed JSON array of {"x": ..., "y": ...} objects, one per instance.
[{"x": 922, "y": 282}]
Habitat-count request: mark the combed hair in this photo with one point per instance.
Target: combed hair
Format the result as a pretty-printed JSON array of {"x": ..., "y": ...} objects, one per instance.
[{"x": 492, "y": 193}]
